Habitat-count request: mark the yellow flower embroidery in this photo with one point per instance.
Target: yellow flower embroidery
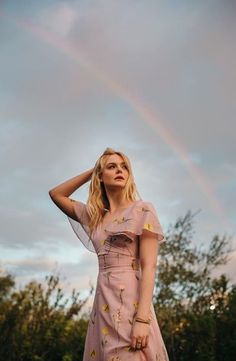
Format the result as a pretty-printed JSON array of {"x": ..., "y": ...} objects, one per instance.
[
  {"x": 105, "y": 331},
  {"x": 93, "y": 354},
  {"x": 143, "y": 209},
  {"x": 148, "y": 226},
  {"x": 129, "y": 348},
  {"x": 121, "y": 220},
  {"x": 106, "y": 307}
]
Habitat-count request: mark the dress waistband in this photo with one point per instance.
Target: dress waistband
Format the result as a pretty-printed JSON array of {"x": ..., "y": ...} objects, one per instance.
[{"x": 118, "y": 262}]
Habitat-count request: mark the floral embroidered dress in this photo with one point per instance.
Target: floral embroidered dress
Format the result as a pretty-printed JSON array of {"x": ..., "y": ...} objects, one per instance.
[{"x": 117, "y": 291}]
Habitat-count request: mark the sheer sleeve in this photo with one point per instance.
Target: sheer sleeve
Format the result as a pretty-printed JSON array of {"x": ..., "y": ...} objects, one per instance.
[
  {"x": 138, "y": 219},
  {"x": 149, "y": 221},
  {"x": 80, "y": 226}
]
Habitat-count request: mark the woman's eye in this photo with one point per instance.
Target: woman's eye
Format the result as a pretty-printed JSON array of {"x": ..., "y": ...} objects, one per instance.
[{"x": 112, "y": 166}]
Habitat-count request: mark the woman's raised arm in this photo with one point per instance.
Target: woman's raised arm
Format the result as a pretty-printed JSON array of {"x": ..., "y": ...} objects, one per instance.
[{"x": 60, "y": 194}]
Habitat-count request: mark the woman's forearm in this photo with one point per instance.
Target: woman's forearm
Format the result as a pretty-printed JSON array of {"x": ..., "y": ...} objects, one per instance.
[
  {"x": 68, "y": 187},
  {"x": 146, "y": 291}
]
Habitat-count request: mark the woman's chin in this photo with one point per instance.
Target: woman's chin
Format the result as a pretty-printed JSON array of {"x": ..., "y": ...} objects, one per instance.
[{"x": 116, "y": 185}]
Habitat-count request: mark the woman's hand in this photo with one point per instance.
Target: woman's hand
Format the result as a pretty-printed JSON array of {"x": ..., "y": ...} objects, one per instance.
[{"x": 140, "y": 331}]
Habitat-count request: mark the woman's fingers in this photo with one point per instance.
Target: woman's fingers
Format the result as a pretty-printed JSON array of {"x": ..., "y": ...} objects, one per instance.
[
  {"x": 133, "y": 342},
  {"x": 139, "y": 342},
  {"x": 144, "y": 341}
]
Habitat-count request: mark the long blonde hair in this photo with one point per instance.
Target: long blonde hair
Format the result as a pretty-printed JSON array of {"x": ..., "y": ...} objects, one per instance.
[{"x": 97, "y": 200}]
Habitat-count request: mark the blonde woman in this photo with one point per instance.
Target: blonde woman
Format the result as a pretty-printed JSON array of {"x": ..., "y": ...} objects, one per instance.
[{"x": 125, "y": 233}]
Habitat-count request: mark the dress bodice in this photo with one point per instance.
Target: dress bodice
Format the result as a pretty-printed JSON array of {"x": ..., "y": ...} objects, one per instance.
[{"x": 122, "y": 233}]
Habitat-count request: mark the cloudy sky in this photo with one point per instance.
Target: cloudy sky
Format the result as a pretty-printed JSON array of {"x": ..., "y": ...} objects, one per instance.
[{"x": 154, "y": 79}]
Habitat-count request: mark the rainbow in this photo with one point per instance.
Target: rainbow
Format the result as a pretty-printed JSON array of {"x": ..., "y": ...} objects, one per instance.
[{"x": 142, "y": 109}]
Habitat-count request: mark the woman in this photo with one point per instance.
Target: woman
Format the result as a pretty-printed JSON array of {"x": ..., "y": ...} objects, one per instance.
[{"x": 125, "y": 234}]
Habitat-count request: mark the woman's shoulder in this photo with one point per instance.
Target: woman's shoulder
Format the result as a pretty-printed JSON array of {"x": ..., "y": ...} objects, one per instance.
[
  {"x": 144, "y": 204},
  {"x": 139, "y": 217},
  {"x": 140, "y": 208}
]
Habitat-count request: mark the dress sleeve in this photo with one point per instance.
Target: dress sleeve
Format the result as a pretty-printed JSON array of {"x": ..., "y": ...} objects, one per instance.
[
  {"x": 138, "y": 219},
  {"x": 149, "y": 221},
  {"x": 80, "y": 226}
]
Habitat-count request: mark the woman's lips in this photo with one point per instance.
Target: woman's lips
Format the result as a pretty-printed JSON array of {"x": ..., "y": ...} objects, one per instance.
[{"x": 119, "y": 178}]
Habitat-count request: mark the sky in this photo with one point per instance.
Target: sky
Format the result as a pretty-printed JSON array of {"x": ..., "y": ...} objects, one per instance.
[{"x": 155, "y": 80}]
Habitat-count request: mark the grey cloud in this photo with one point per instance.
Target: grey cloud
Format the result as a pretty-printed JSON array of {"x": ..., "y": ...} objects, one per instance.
[
  {"x": 77, "y": 275},
  {"x": 57, "y": 115}
]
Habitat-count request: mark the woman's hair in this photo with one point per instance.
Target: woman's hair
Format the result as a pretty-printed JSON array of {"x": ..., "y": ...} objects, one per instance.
[{"x": 97, "y": 201}]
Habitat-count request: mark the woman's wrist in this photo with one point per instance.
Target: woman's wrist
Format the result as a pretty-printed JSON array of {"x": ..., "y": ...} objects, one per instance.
[
  {"x": 143, "y": 313},
  {"x": 90, "y": 173},
  {"x": 71, "y": 185},
  {"x": 142, "y": 319}
]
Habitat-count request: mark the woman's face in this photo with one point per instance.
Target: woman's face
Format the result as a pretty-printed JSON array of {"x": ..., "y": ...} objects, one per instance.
[{"x": 115, "y": 172}]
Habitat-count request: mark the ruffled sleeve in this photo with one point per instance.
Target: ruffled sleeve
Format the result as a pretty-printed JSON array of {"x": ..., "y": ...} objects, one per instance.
[
  {"x": 80, "y": 226},
  {"x": 149, "y": 221},
  {"x": 139, "y": 218}
]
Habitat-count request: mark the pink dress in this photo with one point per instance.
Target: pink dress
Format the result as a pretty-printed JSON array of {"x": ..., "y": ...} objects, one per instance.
[{"x": 117, "y": 291}]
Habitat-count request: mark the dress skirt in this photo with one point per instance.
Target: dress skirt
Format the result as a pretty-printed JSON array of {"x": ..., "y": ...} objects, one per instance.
[{"x": 115, "y": 305}]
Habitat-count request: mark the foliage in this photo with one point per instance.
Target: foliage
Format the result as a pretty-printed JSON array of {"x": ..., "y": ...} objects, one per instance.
[
  {"x": 37, "y": 325},
  {"x": 193, "y": 308}
]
